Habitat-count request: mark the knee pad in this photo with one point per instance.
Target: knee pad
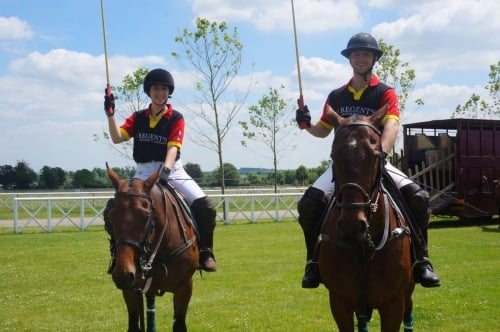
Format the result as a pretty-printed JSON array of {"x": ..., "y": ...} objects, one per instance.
[
  {"x": 311, "y": 207},
  {"x": 418, "y": 202}
]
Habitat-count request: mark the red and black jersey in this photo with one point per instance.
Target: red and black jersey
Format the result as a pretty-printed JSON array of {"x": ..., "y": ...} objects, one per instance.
[
  {"x": 346, "y": 101},
  {"x": 152, "y": 138}
]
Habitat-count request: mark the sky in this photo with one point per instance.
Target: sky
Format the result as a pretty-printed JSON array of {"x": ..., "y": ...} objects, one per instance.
[{"x": 52, "y": 67}]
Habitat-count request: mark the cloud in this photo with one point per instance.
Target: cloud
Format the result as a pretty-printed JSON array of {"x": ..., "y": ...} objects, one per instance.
[
  {"x": 12, "y": 28},
  {"x": 447, "y": 35},
  {"x": 311, "y": 16}
]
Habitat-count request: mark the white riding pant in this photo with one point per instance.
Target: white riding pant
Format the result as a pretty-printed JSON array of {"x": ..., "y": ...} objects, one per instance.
[
  {"x": 178, "y": 178},
  {"x": 326, "y": 183}
]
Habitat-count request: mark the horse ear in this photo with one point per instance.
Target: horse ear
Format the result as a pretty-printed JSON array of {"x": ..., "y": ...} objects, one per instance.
[
  {"x": 115, "y": 178},
  {"x": 152, "y": 179},
  {"x": 333, "y": 116},
  {"x": 379, "y": 114}
]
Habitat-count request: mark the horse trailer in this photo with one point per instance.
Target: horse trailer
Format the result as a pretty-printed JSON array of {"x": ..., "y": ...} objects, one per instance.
[{"x": 457, "y": 162}]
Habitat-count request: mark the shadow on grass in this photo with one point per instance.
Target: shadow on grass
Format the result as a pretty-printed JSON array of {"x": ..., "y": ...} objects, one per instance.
[{"x": 484, "y": 223}]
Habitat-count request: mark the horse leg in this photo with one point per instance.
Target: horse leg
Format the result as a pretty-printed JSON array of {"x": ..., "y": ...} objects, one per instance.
[
  {"x": 342, "y": 313},
  {"x": 363, "y": 320},
  {"x": 150, "y": 313},
  {"x": 182, "y": 296},
  {"x": 408, "y": 322},
  {"x": 408, "y": 316},
  {"x": 135, "y": 308},
  {"x": 391, "y": 316}
]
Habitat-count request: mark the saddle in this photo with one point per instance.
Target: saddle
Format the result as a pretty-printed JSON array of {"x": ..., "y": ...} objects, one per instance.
[
  {"x": 183, "y": 203},
  {"x": 398, "y": 202}
]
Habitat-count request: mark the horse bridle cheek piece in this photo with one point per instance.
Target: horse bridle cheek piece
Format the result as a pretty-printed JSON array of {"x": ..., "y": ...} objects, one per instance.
[
  {"x": 370, "y": 204},
  {"x": 144, "y": 245}
]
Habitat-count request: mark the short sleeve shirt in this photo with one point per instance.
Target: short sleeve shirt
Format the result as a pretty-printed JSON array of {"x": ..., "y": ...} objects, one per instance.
[
  {"x": 346, "y": 101},
  {"x": 152, "y": 138}
]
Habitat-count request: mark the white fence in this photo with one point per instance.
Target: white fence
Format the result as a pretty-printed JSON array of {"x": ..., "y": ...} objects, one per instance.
[{"x": 82, "y": 209}]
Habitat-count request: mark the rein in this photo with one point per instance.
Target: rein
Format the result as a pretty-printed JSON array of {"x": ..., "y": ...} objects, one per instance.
[
  {"x": 142, "y": 246},
  {"x": 369, "y": 204}
]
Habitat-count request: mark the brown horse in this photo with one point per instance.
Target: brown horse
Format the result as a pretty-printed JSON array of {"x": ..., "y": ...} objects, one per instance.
[
  {"x": 364, "y": 250},
  {"x": 155, "y": 249}
]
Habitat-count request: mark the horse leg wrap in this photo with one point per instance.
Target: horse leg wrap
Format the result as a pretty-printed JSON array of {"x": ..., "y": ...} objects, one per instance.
[
  {"x": 150, "y": 314},
  {"x": 408, "y": 322},
  {"x": 311, "y": 207}
]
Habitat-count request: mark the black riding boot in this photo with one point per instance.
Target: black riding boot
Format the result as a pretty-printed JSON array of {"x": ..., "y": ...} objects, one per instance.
[
  {"x": 311, "y": 207},
  {"x": 418, "y": 202},
  {"x": 423, "y": 271},
  {"x": 204, "y": 214},
  {"x": 109, "y": 229}
]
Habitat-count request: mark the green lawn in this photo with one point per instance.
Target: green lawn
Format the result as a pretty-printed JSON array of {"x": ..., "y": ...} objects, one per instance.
[{"x": 58, "y": 282}]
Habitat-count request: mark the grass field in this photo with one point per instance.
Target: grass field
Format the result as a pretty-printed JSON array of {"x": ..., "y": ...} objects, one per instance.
[{"x": 58, "y": 282}]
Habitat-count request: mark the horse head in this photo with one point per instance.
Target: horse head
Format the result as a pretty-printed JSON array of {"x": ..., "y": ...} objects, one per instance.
[
  {"x": 133, "y": 217},
  {"x": 357, "y": 161}
]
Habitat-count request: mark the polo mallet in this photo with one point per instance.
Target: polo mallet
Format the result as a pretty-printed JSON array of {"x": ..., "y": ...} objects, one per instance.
[
  {"x": 300, "y": 101},
  {"x": 108, "y": 86}
]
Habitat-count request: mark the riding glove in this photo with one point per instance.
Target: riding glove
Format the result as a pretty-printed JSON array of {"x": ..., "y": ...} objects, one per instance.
[
  {"x": 303, "y": 116},
  {"x": 165, "y": 172},
  {"x": 109, "y": 105}
]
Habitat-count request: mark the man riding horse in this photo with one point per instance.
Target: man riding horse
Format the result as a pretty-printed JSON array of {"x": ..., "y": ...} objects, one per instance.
[{"x": 363, "y": 94}]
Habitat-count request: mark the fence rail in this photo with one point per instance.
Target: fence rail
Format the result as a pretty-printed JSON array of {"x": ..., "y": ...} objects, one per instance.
[{"x": 51, "y": 210}]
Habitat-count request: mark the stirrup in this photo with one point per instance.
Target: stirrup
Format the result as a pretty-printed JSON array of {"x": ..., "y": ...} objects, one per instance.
[
  {"x": 207, "y": 261},
  {"x": 311, "y": 277}
]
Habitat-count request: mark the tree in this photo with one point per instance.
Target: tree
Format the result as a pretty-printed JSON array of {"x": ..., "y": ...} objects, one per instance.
[
  {"x": 270, "y": 124},
  {"x": 301, "y": 174},
  {"x": 51, "y": 177},
  {"x": 84, "y": 179},
  {"x": 397, "y": 74},
  {"x": 232, "y": 175},
  {"x": 7, "y": 174},
  {"x": 129, "y": 98},
  {"x": 476, "y": 107},
  {"x": 24, "y": 176},
  {"x": 194, "y": 171},
  {"x": 216, "y": 55}
]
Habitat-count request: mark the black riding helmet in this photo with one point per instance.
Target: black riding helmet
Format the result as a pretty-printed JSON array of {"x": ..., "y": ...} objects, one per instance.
[
  {"x": 362, "y": 41},
  {"x": 158, "y": 76}
]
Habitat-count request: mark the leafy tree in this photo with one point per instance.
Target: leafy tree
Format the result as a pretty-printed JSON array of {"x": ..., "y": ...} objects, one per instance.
[
  {"x": 216, "y": 55},
  {"x": 270, "y": 124},
  {"x": 232, "y": 175},
  {"x": 397, "y": 74},
  {"x": 194, "y": 170},
  {"x": 302, "y": 174},
  {"x": 7, "y": 174},
  {"x": 84, "y": 179},
  {"x": 51, "y": 177},
  {"x": 476, "y": 107},
  {"x": 255, "y": 179},
  {"x": 24, "y": 176},
  {"x": 129, "y": 98}
]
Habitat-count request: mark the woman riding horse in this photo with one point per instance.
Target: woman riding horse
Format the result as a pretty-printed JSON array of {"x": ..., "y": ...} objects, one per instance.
[{"x": 158, "y": 133}]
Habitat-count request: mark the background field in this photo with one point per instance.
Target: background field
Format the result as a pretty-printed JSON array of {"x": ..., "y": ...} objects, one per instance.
[{"x": 58, "y": 282}]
